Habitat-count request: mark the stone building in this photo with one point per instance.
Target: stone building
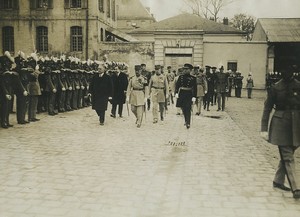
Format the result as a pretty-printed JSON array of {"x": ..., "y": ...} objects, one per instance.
[
  {"x": 52, "y": 27},
  {"x": 190, "y": 38},
  {"x": 132, "y": 14},
  {"x": 283, "y": 38}
]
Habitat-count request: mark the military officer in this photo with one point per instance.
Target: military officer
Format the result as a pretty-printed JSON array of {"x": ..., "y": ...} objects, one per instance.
[
  {"x": 238, "y": 82},
  {"x": 201, "y": 88},
  {"x": 136, "y": 95},
  {"x": 170, "y": 77},
  {"x": 159, "y": 92},
  {"x": 186, "y": 92},
  {"x": 147, "y": 75},
  {"x": 210, "y": 87},
  {"x": 284, "y": 128},
  {"x": 221, "y": 85}
]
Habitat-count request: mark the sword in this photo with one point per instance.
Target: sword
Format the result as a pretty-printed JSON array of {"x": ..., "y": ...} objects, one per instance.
[{"x": 127, "y": 108}]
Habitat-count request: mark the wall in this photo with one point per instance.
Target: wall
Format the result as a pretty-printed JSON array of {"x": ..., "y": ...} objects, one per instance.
[
  {"x": 259, "y": 33},
  {"x": 250, "y": 56},
  {"x": 134, "y": 53}
]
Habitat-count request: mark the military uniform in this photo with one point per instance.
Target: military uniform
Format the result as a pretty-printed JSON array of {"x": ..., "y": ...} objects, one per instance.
[
  {"x": 249, "y": 86},
  {"x": 210, "y": 88},
  {"x": 171, "y": 81},
  {"x": 284, "y": 128},
  {"x": 147, "y": 75},
  {"x": 137, "y": 93},
  {"x": 186, "y": 89},
  {"x": 221, "y": 88},
  {"x": 158, "y": 87},
  {"x": 238, "y": 83},
  {"x": 201, "y": 88}
]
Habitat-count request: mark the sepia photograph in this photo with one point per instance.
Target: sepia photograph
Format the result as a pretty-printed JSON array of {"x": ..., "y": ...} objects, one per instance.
[{"x": 149, "y": 108}]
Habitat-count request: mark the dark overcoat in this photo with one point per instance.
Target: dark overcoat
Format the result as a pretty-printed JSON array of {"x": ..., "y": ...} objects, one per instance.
[
  {"x": 221, "y": 82},
  {"x": 284, "y": 128},
  {"x": 120, "y": 84},
  {"x": 101, "y": 89},
  {"x": 186, "y": 87}
]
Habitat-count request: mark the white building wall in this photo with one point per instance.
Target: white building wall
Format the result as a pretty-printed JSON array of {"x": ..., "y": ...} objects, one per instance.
[{"x": 250, "y": 56}]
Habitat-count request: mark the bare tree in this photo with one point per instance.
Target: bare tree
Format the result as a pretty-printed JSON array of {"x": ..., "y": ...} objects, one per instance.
[
  {"x": 244, "y": 23},
  {"x": 207, "y": 8}
]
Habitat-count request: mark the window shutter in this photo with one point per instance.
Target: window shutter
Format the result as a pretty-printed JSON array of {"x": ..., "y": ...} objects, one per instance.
[
  {"x": 33, "y": 4},
  {"x": 15, "y": 4},
  {"x": 84, "y": 4},
  {"x": 67, "y": 3},
  {"x": 50, "y": 3}
]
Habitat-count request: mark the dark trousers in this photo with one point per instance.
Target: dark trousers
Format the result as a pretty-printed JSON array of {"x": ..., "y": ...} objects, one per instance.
[
  {"x": 186, "y": 110},
  {"x": 43, "y": 101},
  {"x": 61, "y": 101},
  {"x": 74, "y": 103},
  {"x": 101, "y": 115},
  {"x": 79, "y": 100},
  {"x": 221, "y": 100},
  {"x": 148, "y": 104},
  {"x": 114, "y": 108},
  {"x": 207, "y": 100},
  {"x": 51, "y": 103},
  {"x": 286, "y": 167},
  {"x": 238, "y": 92},
  {"x": 5, "y": 110},
  {"x": 22, "y": 107},
  {"x": 69, "y": 95}
]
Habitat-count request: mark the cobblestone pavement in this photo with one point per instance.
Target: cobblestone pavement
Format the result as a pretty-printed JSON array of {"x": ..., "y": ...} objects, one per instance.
[{"x": 69, "y": 165}]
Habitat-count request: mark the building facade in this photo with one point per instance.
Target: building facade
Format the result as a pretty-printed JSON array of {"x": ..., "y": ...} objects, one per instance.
[{"x": 52, "y": 27}]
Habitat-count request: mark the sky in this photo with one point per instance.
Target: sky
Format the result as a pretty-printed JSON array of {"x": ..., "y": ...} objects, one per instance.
[{"x": 163, "y": 9}]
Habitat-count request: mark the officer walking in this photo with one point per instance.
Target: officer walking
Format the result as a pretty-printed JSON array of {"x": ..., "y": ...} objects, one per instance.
[
  {"x": 159, "y": 92},
  {"x": 186, "y": 90},
  {"x": 147, "y": 75},
  {"x": 221, "y": 85},
  {"x": 284, "y": 128},
  {"x": 201, "y": 87},
  {"x": 137, "y": 93}
]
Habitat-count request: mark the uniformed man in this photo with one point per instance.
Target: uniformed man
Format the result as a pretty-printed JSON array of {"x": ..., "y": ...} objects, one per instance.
[
  {"x": 159, "y": 92},
  {"x": 186, "y": 92},
  {"x": 146, "y": 74},
  {"x": 170, "y": 77},
  {"x": 221, "y": 85},
  {"x": 137, "y": 93},
  {"x": 201, "y": 87},
  {"x": 210, "y": 87},
  {"x": 238, "y": 82},
  {"x": 284, "y": 128}
]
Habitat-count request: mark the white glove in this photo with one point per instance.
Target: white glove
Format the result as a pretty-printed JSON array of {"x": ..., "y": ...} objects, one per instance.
[
  {"x": 176, "y": 95},
  {"x": 193, "y": 99},
  {"x": 54, "y": 90},
  {"x": 82, "y": 87},
  {"x": 42, "y": 89},
  {"x": 25, "y": 93},
  {"x": 264, "y": 135},
  {"x": 89, "y": 94},
  {"x": 8, "y": 96},
  {"x": 63, "y": 89},
  {"x": 110, "y": 98},
  {"x": 205, "y": 91},
  {"x": 77, "y": 87},
  {"x": 37, "y": 67},
  {"x": 70, "y": 88},
  {"x": 88, "y": 87}
]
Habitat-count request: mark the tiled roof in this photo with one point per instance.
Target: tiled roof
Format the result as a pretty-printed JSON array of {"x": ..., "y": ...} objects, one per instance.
[
  {"x": 189, "y": 22},
  {"x": 281, "y": 29},
  {"x": 132, "y": 9}
]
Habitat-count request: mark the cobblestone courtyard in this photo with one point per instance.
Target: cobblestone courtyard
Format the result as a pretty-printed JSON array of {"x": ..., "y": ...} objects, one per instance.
[{"x": 69, "y": 165}]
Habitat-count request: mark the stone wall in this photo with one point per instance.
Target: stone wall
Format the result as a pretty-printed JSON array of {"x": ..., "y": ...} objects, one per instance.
[{"x": 133, "y": 53}]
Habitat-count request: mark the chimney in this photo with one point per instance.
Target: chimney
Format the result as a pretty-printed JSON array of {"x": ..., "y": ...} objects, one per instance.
[{"x": 225, "y": 21}]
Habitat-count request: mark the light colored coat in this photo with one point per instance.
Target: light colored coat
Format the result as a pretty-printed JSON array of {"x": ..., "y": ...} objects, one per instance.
[{"x": 137, "y": 90}]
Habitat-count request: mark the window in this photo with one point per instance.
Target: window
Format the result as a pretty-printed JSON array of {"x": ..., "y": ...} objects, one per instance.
[
  {"x": 9, "y": 4},
  {"x": 101, "y": 35},
  {"x": 108, "y": 8},
  {"x": 8, "y": 39},
  {"x": 42, "y": 39},
  {"x": 42, "y": 3},
  {"x": 232, "y": 66},
  {"x": 114, "y": 10},
  {"x": 76, "y": 38},
  {"x": 75, "y": 4},
  {"x": 101, "y": 5}
]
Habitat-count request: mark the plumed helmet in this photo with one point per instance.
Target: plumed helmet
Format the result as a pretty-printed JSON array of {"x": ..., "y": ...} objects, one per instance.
[{"x": 8, "y": 55}]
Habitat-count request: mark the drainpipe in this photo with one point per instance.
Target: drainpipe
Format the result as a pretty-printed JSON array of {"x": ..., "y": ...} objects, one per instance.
[{"x": 87, "y": 31}]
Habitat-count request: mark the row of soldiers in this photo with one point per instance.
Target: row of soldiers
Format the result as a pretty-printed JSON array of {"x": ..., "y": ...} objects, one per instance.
[
  {"x": 274, "y": 77},
  {"x": 43, "y": 84}
]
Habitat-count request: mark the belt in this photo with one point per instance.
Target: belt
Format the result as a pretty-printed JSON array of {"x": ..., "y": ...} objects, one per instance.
[
  {"x": 137, "y": 89},
  {"x": 283, "y": 108},
  {"x": 185, "y": 88},
  {"x": 158, "y": 88}
]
